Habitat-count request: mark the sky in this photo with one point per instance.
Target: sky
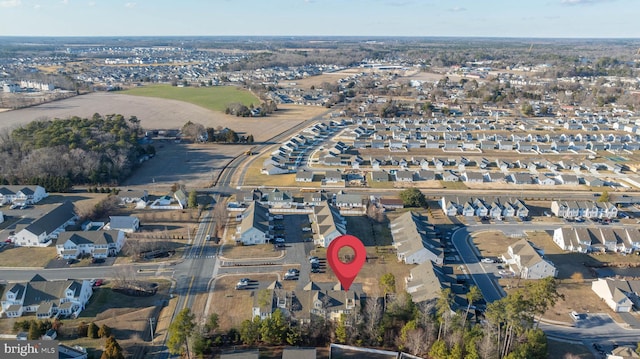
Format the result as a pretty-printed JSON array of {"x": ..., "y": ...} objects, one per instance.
[{"x": 466, "y": 18}]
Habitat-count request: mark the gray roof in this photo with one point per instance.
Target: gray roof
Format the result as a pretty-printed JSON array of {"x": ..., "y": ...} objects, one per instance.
[
  {"x": 52, "y": 220},
  {"x": 256, "y": 216},
  {"x": 122, "y": 222},
  {"x": 88, "y": 237}
]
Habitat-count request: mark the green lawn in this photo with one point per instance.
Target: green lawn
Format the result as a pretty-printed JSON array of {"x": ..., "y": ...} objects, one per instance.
[{"x": 214, "y": 98}]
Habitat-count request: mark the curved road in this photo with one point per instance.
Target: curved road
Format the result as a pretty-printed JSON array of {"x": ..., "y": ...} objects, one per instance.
[{"x": 595, "y": 328}]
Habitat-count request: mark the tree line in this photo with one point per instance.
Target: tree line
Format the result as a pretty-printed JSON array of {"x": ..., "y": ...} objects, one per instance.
[
  {"x": 60, "y": 153},
  {"x": 508, "y": 329}
]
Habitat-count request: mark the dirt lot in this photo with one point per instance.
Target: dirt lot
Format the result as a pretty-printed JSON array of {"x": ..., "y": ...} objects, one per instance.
[{"x": 233, "y": 306}]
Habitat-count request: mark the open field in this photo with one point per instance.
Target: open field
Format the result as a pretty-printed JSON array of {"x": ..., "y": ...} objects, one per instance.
[
  {"x": 233, "y": 251},
  {"x": 233, "y": 306},
  {"x": 214, "y": 98},
  {"x": 158, "y": 113},
  {"x": 26, "y": 257}
]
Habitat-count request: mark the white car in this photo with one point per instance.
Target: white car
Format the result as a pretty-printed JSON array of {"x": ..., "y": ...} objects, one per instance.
[
  {"x": 487, "y": 260},
  {"x": 306, "y": 229},
  {"x": 279, "y": 240},
  {"x": 278, "y": 216}
]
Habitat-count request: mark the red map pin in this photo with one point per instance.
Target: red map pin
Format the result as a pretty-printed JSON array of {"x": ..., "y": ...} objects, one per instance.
[{"x": 346, "y": 272}]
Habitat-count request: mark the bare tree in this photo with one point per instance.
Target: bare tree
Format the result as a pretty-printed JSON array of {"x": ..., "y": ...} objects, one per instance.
[
  {"x": 123, "y": 276},
  {"x": 220, "y": 216}
]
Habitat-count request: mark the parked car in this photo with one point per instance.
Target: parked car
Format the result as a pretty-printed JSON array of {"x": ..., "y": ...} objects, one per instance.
[
  {"x": 278, "y": 216},
  {"x": 306, "y": 229},
  {"x": 97, "y": 282},
  {"x": 291, "y": 275},
  {"x": 315, "y": 269},
  {"x": 243, "y": 283},
  {"x": 293, "y": 270},
  {"x": 487, "y": 260},
  {"x": 279, "y": 240}
]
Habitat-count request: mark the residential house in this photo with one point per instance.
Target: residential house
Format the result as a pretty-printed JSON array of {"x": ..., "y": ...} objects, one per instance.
[
  {"x": 350, "y": 201},
  {"x": 127, "y": 224},
  {"x": 426, "y": 282},
  {"x": 404, "y": 176},
  {"x": 391, "y": 203},
  {"x": 473, "y": 177},
  {"x": 450, "y": 176},
  {"x": 333, "y": 177},
  {"x": 46, "y": 298},
  {"x": 43, "y": 230},
  {"x": 620, "y": 295},
  {"x": 522, "y": 258},
  {"x": 426, "y": 175},
  {"x": 326, "y": 301},
  {"x": 379, "y": 176},
  {"x": 327, "y": 224},
  {"x": 304, "y": 176},
  {"x": 97, "y": 244},
  {"x": 414, "y": 241},
  {"x": 255, "y": 227},
  {"x": 132, "y": 196},
  {"x": 314, "y": 198},
  {"x": 278, "y": 199},
  {"x": 22, "y": 194}
]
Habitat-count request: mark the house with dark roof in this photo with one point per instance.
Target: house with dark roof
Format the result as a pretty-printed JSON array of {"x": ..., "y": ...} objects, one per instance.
[
  {"x": 46, "y": 298},
  {"x": 256, "y": 226},
  {"x": 314, "y": 301},
  {"x": 42, "y": 230},
  {"x": 97, "y": 244},
  {"x": 22, "y": 194}
]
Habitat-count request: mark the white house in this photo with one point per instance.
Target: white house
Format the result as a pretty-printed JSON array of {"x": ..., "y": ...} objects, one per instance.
[
  {"x": 42, "y": 230},
  {"x": 127, "y": 224},
  {"x": 413, "y": 244},
  {"x": 327, "y": 224},
  {"x": 22, "y": 194},
  {"x": 522, "y": 258},
  {"x": 46, "y": 298},
  {"x": 98, "y": 244},
  {"x": 256, "y": 226},
  {"x": 619, "y": 295}
]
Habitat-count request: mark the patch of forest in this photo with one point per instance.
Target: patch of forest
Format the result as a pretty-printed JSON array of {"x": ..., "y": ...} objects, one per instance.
[{"x": 60, "y": 153}]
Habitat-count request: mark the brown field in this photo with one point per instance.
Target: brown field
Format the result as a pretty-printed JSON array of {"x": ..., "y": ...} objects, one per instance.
[
  {"x": 233, "y": 251},
  {"x": 155, "y": 113},
  {"x": 27, "y": 257},
  {"x": 233, "y": 306}
]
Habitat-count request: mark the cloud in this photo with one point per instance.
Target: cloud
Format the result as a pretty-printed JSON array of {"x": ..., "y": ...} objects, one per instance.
[
  {"x": 582, "y": 2},
  {"x": 65, "y": 2},
  {"x": 130, "y": 5},
  {"x": 458, "y": 9},
  {"x": 10, "y": 3},
  {"x": 37, "y": 6},
  {"x": 92, "y": 3}
]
